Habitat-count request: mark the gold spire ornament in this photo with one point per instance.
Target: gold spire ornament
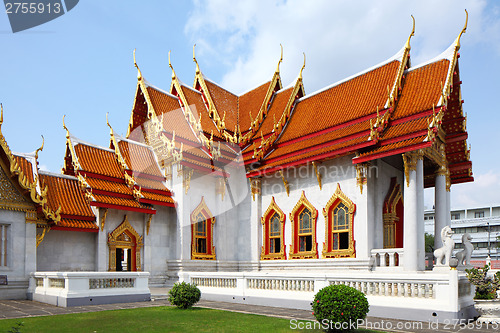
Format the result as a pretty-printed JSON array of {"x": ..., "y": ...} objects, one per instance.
[
  {"x": 139, "y": 74},
  {"x": 281, "y": 60},
  {"x": 40, "y": 149}
]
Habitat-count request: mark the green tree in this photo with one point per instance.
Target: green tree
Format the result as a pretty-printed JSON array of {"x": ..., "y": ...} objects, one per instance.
[{"x": 429, "y": 243}]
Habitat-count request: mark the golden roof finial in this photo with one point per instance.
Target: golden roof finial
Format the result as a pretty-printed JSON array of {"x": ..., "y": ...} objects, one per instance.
[
  {"x": 139, "y": 74},
  {"x": 194, "y": 59},
  {"x": 303, "y": 66},
  {"x": 457, "y": 41},
  {"x": 281, "y": 60},
  {"x": 40, "y": 149},
  {"x": 407, "y": 45},
  {"x": 170, "y": 65},
  {"x": 64, "y": 126},
  {"x": 411, "y": 35},
  {"x": 1, "y": 114}
]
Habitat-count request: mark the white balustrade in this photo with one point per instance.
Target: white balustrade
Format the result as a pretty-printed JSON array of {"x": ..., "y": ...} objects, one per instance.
[
  {"x": 388, "y": 257},
  {"x": 214, "y": 282},
  {"x": 280, "y": 284},
  {"x": 82, "y": 288},
  {"x": 391, "y": 288}
]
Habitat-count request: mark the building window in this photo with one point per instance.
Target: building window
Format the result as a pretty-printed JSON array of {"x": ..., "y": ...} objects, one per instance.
[
  {"x": 455, "y": 216},
  {"x": 200, "y": 234},
  {"x": 478, "y": 214},
  {"x": 273, "y": 224},
  {"x": 202, "y": 231},
  {"x": 3, "y": 244},
  {"x": 303, "y": 217},
  {"x": 339, "y": 216},
  {"x": 305, "y": 230}
]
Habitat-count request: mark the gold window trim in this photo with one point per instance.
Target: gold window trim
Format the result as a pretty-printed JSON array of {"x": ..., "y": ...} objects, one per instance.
[
  {"x": 271, "y": 210},
  {"x": 294, "y": 249},
  {"x": 339, "y": 197},
  {"x": 114, "y": 242},
  {"x": 202, "y": 209}
]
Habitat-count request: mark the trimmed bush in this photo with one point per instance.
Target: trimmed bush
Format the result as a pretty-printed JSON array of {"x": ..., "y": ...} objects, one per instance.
[
  {"x": 339, "y": 307},
  {"x": 184, "y": 295}
]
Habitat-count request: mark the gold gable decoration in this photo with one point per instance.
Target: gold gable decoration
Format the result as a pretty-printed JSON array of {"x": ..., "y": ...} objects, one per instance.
[{"x": 38, "y": 196}]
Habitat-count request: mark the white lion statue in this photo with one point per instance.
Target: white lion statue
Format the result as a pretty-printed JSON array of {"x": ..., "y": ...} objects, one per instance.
[
  {"x": 464, "y": 255},
  {"x": 443, "y": 254}
]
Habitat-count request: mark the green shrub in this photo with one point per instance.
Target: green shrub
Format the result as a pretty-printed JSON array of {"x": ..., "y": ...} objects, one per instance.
[
  {"x": 486, "y": 286},
  {"x": 339, "y": 307},
  {"x": 184, "y": 295}
]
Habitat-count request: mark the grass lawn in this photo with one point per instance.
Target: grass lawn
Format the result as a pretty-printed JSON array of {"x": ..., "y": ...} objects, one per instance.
[{"x": 154, "y": 319}]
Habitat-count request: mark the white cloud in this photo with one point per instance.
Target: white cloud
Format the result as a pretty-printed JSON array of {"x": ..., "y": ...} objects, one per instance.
[
  {"x": 482, "y": 192},
  {"x": 339, "y": 38}
]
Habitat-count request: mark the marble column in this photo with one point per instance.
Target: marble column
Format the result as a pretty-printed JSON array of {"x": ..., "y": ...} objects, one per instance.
[
  {"x": 441, "y": 208},
  {"x": 414, "y": 240}
]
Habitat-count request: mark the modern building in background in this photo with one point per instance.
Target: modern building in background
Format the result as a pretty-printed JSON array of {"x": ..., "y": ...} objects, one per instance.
[{"x": 482, "y": 223}]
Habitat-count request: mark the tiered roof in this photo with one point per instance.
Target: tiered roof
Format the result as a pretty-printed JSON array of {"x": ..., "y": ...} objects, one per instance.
[{"x": 389, "y": 109}]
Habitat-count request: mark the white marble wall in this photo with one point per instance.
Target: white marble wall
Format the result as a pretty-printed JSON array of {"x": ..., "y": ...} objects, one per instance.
[
  {"x": 21, "y": 254},
  {"x": 66, "y": 251}
]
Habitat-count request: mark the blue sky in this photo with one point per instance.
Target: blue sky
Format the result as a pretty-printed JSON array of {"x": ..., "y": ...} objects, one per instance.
[{"x": 81, "y": 64}]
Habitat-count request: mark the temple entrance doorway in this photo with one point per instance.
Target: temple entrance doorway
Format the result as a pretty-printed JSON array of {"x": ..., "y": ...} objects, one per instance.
[{"x": 124, "y": 245}]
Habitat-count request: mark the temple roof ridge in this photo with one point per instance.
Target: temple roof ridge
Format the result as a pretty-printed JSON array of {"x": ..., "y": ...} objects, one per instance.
[
  {"x": 396, "y": 57},
  {"x": 253, "y": 88},
  {"x": 75, "y": 141},
  {"x": 445, "y": 55},
  {"x": 148, "y": 84},
  {"x": 217, "y": 84},
  {"x": 58, "y": 175}
]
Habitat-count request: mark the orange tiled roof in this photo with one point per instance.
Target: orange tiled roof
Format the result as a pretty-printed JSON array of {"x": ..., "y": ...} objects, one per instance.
[
  {"x": 26, "y": 167},
  {"x": 107, "y": 185},
  {"x": 117, "y": 201},
  {"x": 139, "y": 158},
  {"x": 195, "y": 98},
  {"x": 157, "y": 197},
  {"x": 225, "y": 101},
  {"x": 422, "y": 89},
  {"x": 98, "y": 160},
  {"x": 250, "y": 102},
  {"x": 349, "y": 100},
  {"x": 331, "y": 151},
  {"x": 81, "y": 224},
  {"x": 65, "y": 191},
  {"x": 161, "y": 101},
  {"x": 397, "y": 145},
  {"x": 275, "y": 111},
  {"x": 411, "y": 117}
]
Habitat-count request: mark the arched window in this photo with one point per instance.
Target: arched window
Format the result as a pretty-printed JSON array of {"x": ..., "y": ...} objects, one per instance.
[
  {"x": 202, "y": 230},
  {"x": 273, "y": 227},
  {"x": 303, "y": 217},
  {"x": 339, "y": 216}
]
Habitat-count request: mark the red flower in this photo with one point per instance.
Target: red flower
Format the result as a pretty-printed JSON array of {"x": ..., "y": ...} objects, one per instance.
[
  {"x": 341, "y": 313},
  {"x": 355, "y": 306},
  {"x": 313, "y": 313},
  {"x": 317, "y": 301}
]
